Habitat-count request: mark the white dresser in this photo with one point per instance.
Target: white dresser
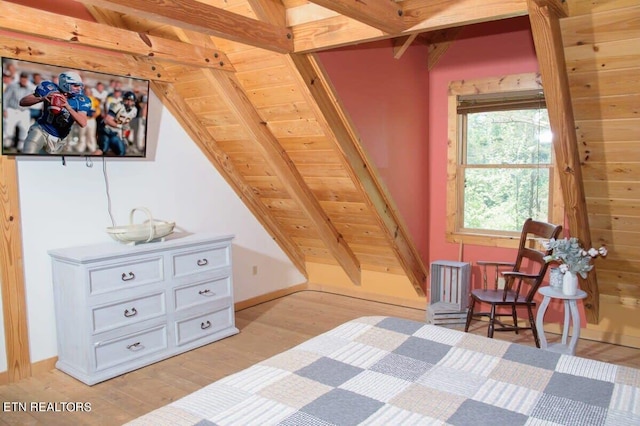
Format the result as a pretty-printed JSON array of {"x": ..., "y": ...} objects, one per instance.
[{"x": 121, "y": 307}]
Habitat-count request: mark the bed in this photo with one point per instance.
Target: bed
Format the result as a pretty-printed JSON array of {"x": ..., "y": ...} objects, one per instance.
[{"x": 392, "y": 371}]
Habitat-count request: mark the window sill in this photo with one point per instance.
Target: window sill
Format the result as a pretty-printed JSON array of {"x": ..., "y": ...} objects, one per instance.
[{"x": 503, "y": 241}]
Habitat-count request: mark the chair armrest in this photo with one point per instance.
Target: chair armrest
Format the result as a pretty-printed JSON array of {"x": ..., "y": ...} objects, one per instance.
[
  {"x": 519, "y": 274},
  {"x": 512, "y": 276}
]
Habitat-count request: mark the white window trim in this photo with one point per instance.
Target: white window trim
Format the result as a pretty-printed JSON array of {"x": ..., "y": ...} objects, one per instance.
[{"x": 501, "y": 84}]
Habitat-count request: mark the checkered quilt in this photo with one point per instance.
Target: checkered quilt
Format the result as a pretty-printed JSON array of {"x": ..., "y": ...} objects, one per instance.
[{"x": 392, "y": 371}]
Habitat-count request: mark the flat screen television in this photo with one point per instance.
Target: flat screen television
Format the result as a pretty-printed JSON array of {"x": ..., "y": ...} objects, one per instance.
[{"x": 54, "y": 111}]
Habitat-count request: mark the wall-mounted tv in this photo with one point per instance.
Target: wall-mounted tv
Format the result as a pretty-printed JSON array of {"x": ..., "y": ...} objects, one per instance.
[{"x": 55, "y": 111}]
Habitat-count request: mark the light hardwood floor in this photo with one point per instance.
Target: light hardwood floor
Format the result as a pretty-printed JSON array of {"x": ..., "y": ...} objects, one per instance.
[{"x": 265, "y": 330}]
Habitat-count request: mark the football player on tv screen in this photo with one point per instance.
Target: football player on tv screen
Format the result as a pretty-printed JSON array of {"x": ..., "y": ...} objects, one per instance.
[
  {"x": 115, "y": 129},
  {"x": 64, "y": 105}
]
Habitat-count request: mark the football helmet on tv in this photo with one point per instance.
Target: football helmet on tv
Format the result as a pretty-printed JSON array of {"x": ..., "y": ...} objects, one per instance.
[
  {"x": 70, "y": 82},
  {"x": 128, "y": 96}
]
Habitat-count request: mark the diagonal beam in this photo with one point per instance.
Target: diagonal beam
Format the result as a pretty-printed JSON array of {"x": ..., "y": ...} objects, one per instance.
[
  {"x": 384, "y": 15},
  {"x": 401, "y": 44},
  {"x": 52, "y": 26},
  {"x": 199, "y": 17},
  {"x": 200, "y": 135},
  {"x": 547, "y": 37},
  {"x": 230, "y": 89},
  {"x": 335, "y": 123},
  {"x": 439, "y": 42}
]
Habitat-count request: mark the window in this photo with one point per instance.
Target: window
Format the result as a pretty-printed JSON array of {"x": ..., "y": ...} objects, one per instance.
[{"x": 501, "y": 164}]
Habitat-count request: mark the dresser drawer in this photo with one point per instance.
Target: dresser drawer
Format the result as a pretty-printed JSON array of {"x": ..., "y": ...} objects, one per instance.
[
  {"x": 125, "y": 275},
  {"x": 203, "y": 325},
  {"x": 128, "y": 312},
  {"x": 197, "y": 261},
  {"x": 130, "y": 347},
  {"x": 204, "y": 292}
]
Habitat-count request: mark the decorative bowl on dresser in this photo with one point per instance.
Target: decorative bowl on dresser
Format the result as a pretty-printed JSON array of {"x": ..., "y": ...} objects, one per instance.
[{"x": 119, "y": 307}]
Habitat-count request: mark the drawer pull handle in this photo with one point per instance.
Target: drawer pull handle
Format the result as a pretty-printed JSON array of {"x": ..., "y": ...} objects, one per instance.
[
  {"x": 206, "y": 292},
  {"x": 135, "y": 346},
  {"x": 205, "y": 325},
  {"x": 128, "y": 277},
  {"x": 202, "y": 262},
  {"x": 128, "y": 314}
]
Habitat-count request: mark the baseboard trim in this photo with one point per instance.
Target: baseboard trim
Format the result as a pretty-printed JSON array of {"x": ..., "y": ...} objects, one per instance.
[
  {"x": 263, "y": 298},
  {"x": 44, "y": 365},
  {"x": 357, "y": 294},
  {"x": 36, "y": 368}
]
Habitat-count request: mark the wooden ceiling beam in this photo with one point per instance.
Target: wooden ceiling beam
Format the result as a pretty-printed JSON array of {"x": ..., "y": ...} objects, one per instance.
[
  {"x": 384, "y": 15},
  {"x": 423, "y": 15},
  {"x": 68, "y": 56},
  {"x": 52, "y": 26},
  {"x": 429, "y": 14},
  {"x": 547, "y": 37},
  {"x": 199, "y": 17},
  {"x": 231, "y": 91}
]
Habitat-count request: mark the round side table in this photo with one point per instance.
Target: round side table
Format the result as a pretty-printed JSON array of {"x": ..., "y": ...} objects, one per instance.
[{"x": 570, "y": 308}]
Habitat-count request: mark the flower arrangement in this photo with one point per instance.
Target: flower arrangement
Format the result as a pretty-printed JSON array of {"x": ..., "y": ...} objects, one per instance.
[{"x": 571, "y": 256}]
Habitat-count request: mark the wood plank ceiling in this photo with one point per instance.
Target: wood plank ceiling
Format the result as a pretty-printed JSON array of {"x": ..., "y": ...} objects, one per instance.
[{"x": 242, "y": 78}]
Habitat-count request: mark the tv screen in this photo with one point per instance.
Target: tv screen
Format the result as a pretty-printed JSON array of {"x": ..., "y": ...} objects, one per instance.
[{"x": 54, "y": 111}]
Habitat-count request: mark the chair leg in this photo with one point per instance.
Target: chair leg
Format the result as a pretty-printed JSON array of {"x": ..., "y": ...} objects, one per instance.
[
  {"x": 534, "y": 330},
  {"x": 469, "y": 315},
  {"x": 492, "y": 318},
  {"x": 515, "y": 319}
]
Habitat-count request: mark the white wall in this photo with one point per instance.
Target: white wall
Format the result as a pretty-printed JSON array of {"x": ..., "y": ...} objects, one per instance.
[{"x": 65, "y": 206}]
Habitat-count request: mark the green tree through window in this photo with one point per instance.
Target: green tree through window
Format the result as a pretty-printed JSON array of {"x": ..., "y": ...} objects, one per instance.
[{"x": 505, "y": 165}]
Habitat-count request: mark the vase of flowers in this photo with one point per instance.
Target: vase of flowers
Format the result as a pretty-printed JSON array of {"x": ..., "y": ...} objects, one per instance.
[{"x": 573, "y": 260}]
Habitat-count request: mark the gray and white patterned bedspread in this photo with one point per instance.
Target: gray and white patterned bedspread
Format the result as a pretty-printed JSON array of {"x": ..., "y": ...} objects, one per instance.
[{"x": 391, "y": 371}]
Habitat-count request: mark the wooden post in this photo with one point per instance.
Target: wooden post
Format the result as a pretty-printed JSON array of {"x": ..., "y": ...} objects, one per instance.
[
  {"x": 547, "y": 37},
  {"x": 12, "y": 275}
]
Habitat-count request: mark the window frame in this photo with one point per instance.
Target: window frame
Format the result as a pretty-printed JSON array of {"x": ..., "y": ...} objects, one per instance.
[{"x": 455, "y": 186}]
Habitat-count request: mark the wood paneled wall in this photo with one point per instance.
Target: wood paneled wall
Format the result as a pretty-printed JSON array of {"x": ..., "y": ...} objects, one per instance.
[{"x": 602, "y": 50}]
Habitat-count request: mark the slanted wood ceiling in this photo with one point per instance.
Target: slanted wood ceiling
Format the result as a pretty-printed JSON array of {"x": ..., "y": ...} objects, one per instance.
[{"x": 242, "y": 78}]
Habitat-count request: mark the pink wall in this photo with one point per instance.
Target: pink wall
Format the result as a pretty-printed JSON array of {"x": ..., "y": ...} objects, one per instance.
[
  {"x": 482, "y": 50},
  {"x": 387, "y": 100}
]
